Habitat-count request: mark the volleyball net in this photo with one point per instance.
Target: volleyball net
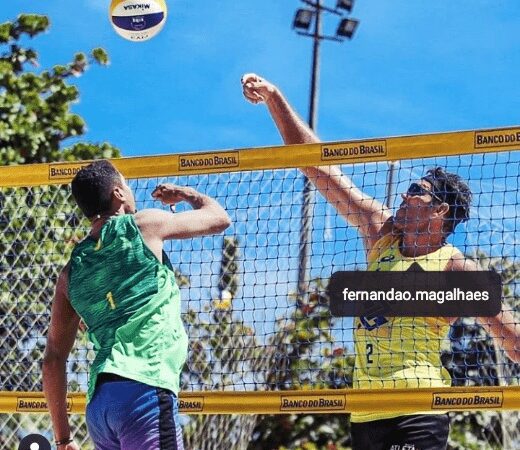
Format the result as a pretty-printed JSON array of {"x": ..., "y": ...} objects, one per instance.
[{"x": 258, "y": 343}]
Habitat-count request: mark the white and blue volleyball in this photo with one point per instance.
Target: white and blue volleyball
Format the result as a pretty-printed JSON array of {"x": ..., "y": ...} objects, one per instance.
[{"x": 138, "y": 20}]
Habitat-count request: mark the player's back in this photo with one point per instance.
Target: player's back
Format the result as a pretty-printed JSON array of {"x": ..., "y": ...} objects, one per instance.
[{"x": 131, "y": 305}]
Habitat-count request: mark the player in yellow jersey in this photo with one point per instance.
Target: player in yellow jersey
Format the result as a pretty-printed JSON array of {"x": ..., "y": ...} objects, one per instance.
[{"x": 398, "y": 352}]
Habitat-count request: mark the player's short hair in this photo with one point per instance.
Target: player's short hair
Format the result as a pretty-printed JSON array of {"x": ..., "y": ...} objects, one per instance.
[
  {"x": 93, "y": 185},
  {"x": 454, "y": 191}
]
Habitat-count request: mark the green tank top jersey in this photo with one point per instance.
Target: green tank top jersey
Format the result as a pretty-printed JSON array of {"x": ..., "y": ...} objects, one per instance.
[{"x": 130, "y": 303}]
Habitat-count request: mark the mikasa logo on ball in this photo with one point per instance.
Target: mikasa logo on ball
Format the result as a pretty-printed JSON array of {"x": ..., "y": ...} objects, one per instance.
[
  {"x": 140, "y": 6},
  {"x": 138, "y": 20}
]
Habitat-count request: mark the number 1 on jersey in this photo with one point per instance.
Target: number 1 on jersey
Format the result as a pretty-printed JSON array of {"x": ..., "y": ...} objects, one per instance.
[{"x": 111, "y": 302}]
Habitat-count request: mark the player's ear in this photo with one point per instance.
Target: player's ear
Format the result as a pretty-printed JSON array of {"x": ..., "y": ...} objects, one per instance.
[
  {"x": 443, "y": 209},
  {"x": 119, "y": 194}
]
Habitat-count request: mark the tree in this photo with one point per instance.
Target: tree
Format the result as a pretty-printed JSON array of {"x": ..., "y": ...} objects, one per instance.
[
  {"x": 297, "y": 362},
  {"x": 224, "y": 350},
  {"x": 221, "y": 348},
  {"x": 38, "y": 225}
]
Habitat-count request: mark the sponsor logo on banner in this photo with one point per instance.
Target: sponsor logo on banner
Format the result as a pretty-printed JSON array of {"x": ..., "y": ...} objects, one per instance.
[
  {"x": 36, "y": 404},
  {"x": 64, "y": 171},
  {"x": 468, "y": 400},
  {"x": 313, "y": 403},
  {"x": 191, "y": 404},
  {"x": 497, "y": 138},
  {"x": 353, "y": 150},
  {"x": 208, "y": 161}
]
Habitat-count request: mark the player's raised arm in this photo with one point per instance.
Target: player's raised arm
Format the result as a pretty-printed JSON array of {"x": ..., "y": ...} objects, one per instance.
[
  {"x": 356, "y": 207},
  {"x": 206, "y": 217},
  {"x": 504, "y": 328},
  {"x": 291, "y": 126}
]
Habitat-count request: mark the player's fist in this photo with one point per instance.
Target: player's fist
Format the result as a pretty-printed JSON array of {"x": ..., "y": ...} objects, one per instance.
[
  {"x": 169, "y": 194},
  {"x": 256, "y": 89}
]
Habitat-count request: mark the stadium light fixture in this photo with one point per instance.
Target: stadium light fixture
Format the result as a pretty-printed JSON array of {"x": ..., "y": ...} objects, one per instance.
[
  {"x": 347, "y": 5},
  {"x": 303, "y": 19},
  {"x": 347, "y": 28}
]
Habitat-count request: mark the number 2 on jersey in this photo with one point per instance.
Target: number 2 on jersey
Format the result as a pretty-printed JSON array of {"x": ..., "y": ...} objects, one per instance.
[{"x": 370, "y": 349}]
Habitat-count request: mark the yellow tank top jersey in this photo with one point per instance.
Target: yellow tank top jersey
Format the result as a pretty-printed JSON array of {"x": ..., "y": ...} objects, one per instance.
[{"x": 400, "y": 352}]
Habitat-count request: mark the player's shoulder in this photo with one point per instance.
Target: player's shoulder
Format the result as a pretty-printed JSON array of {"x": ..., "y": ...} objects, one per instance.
[
  {"x": 461, "y": 263},
  {"x": 383, "y": 238},
  {"x": 388, "y": 227},
  {"x": 150, "y": 215}
]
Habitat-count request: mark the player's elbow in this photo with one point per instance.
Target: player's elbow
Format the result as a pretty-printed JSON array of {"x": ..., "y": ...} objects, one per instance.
[
  {"x": 52, "y": 361},
  {"x": 52, "y": 358},
  {"x": 220, "y": 222},
  {"x": 514, "y": 353},
  {"x": 226, "y": 222}
]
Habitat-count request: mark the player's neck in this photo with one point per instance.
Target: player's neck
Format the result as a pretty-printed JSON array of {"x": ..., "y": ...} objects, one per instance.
[
  {"x": 97, "y": 222},
  {"x": 413, "y": 245}
]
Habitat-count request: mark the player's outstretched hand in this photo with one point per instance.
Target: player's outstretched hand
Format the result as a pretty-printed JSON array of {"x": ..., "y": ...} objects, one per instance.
[
  {"x": 256, "y": 89},
  {"x": 169, "y": 194}
]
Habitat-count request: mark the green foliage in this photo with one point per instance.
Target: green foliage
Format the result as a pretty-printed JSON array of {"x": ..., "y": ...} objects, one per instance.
[
  {"x": 101, "y": 56},
  {"x": 299, "y": 363},
  {"x": 219, "y": 341},
  {"x": 302, "y": 432},
  {"x": 39, "y": 225},
  {"x": 221, "y": 348},
  {"x": 35, "y": 108},
  {"x": 301, "y": 354}
]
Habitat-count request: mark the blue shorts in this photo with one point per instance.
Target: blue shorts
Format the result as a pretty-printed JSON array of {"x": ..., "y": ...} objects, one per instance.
[{"x": 128, "y": 415}]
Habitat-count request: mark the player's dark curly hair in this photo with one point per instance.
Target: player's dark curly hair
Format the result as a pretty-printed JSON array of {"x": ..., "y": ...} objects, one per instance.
[
  {"x": 454, "y": 191},
  {"x": 93, "y": 185}
]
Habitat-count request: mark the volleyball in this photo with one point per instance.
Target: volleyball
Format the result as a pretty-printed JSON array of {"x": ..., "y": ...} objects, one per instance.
[{"x": 138, "y": 20}]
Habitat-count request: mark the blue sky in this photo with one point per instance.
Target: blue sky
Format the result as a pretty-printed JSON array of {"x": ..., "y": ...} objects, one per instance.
[{"x": 413, "y": 67}]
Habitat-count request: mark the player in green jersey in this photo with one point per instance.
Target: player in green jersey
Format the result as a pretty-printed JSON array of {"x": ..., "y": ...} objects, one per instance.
[{"x": 120, "y": 283}]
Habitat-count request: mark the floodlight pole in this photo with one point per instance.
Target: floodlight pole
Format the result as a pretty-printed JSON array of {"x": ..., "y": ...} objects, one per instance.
[
  {"x": 315, "y": 75},
  {"x": 308, "y": 193},
  {"x": 390, "y": 184}
]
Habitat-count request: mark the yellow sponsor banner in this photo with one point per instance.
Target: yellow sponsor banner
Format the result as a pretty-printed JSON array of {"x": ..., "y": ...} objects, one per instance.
[
  {"x": 353, "y": 150},
  {"x": 36, "y": 404},
  {"x": 331, "y": 401},
  {"x": 467, "y": 400},
  {"x": 505, "y": 137},
  {"x": 218, "y": 160},
  {"x": 191, "y": 405},
  {"x": 64, "y": 171},
  {"x": 303, "y": 403},
  {"x": 280, "y": 157}
]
